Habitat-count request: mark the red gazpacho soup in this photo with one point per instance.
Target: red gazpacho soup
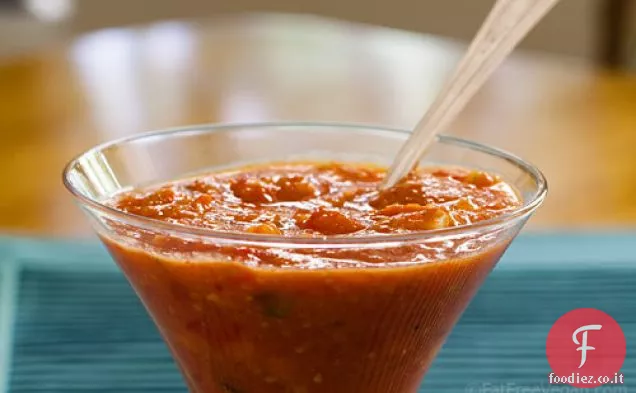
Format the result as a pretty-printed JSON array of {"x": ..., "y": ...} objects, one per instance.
[{"x": 309, "y": 319}]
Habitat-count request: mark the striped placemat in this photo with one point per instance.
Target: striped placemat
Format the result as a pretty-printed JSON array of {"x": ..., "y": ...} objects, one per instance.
[{"x": 69, "y": 322}]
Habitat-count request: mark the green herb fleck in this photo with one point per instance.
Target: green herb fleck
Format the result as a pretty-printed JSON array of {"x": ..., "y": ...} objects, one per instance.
[{"x": 273, "y": 305}]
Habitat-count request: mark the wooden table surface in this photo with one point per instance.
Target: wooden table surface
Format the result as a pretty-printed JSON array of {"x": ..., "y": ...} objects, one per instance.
[{"x": 578, "y": 124}]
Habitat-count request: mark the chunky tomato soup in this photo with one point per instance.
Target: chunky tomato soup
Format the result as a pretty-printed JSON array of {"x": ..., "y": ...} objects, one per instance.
[{"x": 290, "y": 319}]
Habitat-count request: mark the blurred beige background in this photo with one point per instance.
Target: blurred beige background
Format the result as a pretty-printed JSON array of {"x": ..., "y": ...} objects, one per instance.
[{"x": 579, "y": 28}]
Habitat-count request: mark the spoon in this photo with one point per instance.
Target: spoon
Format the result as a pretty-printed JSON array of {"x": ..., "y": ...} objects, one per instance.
[{"x": 507, "y": 24}]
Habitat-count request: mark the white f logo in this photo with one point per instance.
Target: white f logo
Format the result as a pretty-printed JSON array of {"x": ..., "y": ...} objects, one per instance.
[{"x": 583, "y": 344}]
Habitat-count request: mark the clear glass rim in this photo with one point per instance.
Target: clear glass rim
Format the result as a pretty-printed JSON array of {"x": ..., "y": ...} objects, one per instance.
[{"x": 297, "y": 241}]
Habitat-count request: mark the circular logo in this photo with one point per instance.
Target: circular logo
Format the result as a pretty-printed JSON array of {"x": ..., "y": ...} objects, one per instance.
[{"x": 585, "y": 348}]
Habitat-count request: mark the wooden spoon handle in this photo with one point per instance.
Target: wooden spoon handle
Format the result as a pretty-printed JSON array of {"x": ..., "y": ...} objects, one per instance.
[{"x": 507, "y": 24}]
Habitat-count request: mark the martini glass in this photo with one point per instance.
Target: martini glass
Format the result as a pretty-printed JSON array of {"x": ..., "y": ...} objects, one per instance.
[{"x": 235, "y": 327}]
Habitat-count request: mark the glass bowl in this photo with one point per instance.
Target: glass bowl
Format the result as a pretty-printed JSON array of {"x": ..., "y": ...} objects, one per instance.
[{"x": 348, "y": 325}]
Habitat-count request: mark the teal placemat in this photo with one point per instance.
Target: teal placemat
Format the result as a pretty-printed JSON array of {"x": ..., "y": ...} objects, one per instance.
[{"x": 69, "y": 322}]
